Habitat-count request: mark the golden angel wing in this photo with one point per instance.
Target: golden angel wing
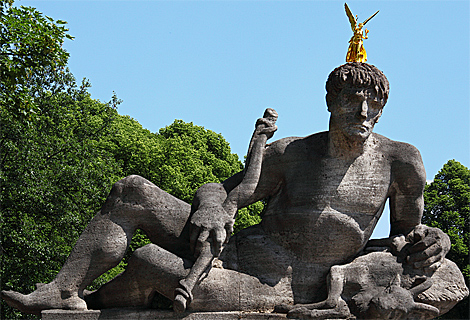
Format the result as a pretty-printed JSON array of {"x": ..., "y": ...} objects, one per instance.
[
  {"x": 350, "y": 16},
  {"x": 367, "y": 20}
]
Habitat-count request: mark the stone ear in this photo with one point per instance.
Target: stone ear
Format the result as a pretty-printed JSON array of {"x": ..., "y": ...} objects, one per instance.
[{"x": 379, "y": 115}]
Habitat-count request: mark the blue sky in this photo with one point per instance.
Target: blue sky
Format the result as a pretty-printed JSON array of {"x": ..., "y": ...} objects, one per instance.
[{"x": 219, "y": 64}]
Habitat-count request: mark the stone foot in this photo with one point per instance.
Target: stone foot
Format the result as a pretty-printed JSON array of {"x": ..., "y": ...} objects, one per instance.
[
  {"x": 326, "y": 304},
  {"x": 47, "y": 296}
]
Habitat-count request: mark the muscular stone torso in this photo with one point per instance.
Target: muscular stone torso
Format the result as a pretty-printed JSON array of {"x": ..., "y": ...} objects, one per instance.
[{"x": 325, "y": 208}]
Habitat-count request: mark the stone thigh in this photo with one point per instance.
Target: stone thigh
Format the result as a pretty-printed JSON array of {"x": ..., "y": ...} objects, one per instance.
[
  {"x": 229, "y": 290},
  {"x": 253, "y": 252},
  {"x": 251, "y": 274},
  {"x": 136, "y": 203}
]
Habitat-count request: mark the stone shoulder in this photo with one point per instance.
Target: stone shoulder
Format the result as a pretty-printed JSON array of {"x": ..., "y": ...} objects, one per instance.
[
  {"x": 405, "y": 159},
  {"x": 294, "y": 145},
  {"x": 397, "y": 150}
]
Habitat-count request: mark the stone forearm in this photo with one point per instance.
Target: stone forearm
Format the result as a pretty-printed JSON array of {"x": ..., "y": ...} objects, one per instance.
[{"x": 210, "y": 194}]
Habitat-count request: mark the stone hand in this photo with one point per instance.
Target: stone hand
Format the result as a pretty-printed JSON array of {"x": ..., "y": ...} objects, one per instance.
[
  {"x": 393, "y": 243},
  {"x": 429, "y": 247},
  {"x": 329, "y": 308},
  {"x": 266, "y": 125},
  {"x": 210, "y": 222}
]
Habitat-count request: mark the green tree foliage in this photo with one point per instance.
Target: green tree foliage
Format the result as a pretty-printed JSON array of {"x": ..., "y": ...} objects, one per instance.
[
  {"x": 179, "y": 159},
  {"x": 206, "y": 155},
  {"x": 447, "y": 206},
  {"x": 52, "y": 175},
  {"x": 30, "y": 48},
  {"x": 49, "y": 128},
  {"x": 248, "y": 216},
  {"x": 53, "y": 180},
  {"x": 61, "y": 151}
]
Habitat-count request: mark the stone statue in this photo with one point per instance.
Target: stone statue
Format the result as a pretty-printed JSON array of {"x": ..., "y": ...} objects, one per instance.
[
  {"x": 356, "y": 51},
  {"x": 310, "y": 256}
]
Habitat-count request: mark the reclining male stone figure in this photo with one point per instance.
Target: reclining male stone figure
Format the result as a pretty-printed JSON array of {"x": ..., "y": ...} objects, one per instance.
[{"x": 325, "y": 194}]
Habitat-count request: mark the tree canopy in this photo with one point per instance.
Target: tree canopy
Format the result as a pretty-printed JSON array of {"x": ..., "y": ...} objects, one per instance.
[
  {"x": 179, "y": 158},
  {"x": 447, "y": 206},
  {"x": 31, "y": 57},
  {"x": 61, "y": 151},
  {"x": 52, "y": 176}
]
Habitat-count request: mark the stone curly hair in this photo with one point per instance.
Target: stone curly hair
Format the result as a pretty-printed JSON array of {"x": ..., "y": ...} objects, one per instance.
[{"x": 356, "y": 74}]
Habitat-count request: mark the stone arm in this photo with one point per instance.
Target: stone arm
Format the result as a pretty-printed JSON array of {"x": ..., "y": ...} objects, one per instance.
[
  {"x": 406, "y": 191},
  {"x": 428, "y": 246},
  {"x": 242, "y": 194},
  {"x": 215, "y": 205}
]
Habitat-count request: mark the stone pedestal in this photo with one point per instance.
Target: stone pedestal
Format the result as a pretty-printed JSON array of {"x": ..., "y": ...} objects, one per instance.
[{"x": 147, "y": 314}]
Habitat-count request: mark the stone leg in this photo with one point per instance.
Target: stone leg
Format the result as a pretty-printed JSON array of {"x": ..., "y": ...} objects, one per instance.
[
  {"x": 333, "y": 307},
  {"x": 133, "y": 203},
  {"x": 152, "y": 269}
]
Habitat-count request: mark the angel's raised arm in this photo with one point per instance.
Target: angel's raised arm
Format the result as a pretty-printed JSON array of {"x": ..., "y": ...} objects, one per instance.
[{"x": 367, "y": 20}]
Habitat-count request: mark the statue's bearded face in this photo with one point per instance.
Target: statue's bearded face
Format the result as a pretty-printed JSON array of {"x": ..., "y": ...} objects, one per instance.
[{"x": 356, "y": 111}]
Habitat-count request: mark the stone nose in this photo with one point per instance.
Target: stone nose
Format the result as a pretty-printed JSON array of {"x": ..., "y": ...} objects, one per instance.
[{"x": 362, "y": 112}]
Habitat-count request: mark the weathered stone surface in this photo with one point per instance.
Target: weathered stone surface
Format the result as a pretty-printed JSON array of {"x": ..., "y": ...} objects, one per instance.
[
  {"x": 380, "y": 285},
  {"x": 58, "y": 314},
  {"x": 325, "y": 193},
  {"x": 147, "y": 314}
]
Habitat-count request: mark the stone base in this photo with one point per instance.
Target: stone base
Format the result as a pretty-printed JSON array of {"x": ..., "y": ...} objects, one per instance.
[{"x": 144, "y": 314}]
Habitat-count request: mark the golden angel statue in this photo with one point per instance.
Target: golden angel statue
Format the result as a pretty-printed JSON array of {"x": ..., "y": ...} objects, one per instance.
[{"x": 356, "y": 51}]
